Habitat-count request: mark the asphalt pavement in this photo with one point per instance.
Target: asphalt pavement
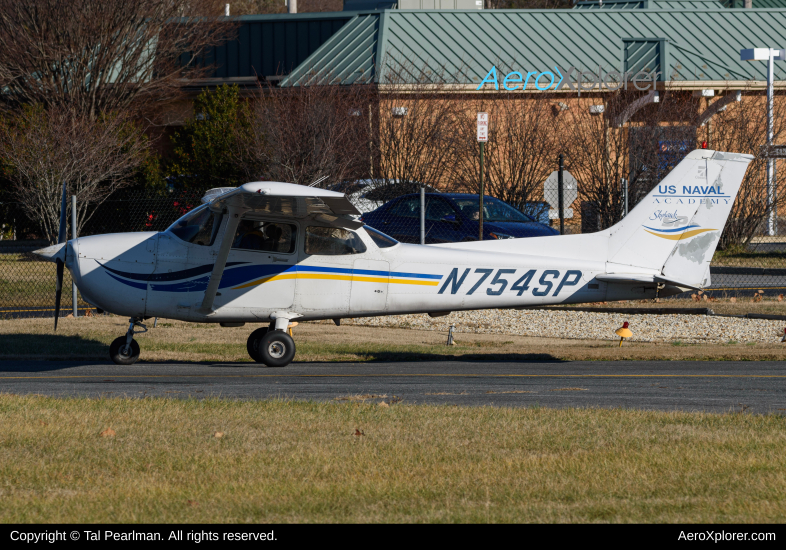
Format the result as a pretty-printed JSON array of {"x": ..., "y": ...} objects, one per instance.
[{"x": 722, "y": 386}]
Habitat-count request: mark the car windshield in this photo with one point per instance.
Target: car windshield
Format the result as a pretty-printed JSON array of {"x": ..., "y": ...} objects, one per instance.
[
  {"x": 200, "y": 226},
  {"x": 494, "y": 210}
]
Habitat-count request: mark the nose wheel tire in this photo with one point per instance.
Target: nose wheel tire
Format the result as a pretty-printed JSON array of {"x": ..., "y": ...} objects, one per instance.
[
  {"x": 122, "y": 354},
  {"x": 276, "y": 349},
  {"x": 252, "y": 345}
]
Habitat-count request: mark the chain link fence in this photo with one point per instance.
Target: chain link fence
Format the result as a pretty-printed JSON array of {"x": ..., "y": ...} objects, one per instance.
[{"x": 27, "y": 285}]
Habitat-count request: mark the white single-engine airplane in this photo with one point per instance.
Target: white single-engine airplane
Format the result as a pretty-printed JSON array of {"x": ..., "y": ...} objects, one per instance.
[{"x": 270, "y": 252}]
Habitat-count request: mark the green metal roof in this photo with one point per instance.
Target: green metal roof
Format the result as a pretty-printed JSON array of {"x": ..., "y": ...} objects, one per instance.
[
  {"x": 770, "y": 4},
  {"x": 271, "y": 45},
  {"x": 675, "y": 4},
  {"x": 460, "y": 47},
  {"x": 651, "y": 4}
]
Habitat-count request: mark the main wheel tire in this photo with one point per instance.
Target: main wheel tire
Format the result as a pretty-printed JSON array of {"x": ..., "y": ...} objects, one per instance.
[
  {"x": 252, "y": 345},
  {"x": 276, "y": 349},
  {"x": 121, "y": 354}
]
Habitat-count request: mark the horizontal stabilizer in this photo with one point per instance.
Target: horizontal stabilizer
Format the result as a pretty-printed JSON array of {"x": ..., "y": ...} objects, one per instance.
[{"x": 641, "y": 278}]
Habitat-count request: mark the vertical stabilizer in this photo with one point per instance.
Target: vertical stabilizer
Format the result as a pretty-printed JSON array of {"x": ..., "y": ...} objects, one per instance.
[{"x": 675, "y": 229}]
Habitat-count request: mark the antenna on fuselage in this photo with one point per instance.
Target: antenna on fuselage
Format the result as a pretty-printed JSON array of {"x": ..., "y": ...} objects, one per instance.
[{"x": 318, "y": 181}]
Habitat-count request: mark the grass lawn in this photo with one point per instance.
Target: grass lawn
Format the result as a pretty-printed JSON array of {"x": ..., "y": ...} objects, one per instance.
[
  {"x": 284, "y": 461},
  {"x": 88, "y": 338}
]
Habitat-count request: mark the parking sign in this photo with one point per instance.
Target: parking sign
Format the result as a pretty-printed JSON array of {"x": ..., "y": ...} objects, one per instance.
[{"x": 483, "y": 126}]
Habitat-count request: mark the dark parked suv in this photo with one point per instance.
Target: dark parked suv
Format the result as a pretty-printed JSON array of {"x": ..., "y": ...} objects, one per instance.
[{"x": 453, "y": 217}]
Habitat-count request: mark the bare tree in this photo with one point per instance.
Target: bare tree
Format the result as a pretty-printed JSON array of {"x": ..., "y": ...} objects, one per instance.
[
  {"x": 45, "y": 149},
  {"x": 308, "y": 133},
  {"x": 101, "y": 56},
  {"x": 741, "y": 128},
  {"x": 253, "y": 7},
  {"x": 520, "y": 153},
  {"x": 416, "y": 127},
  {"x": 603, "y": 146}
]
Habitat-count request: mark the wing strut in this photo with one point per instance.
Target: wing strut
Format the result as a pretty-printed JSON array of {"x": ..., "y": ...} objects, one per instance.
[{"x": 221, "y": 261}]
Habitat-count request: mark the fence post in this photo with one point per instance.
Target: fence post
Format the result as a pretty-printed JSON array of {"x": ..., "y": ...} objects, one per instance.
[
  {"x": 422, "y": 214},
  {"x": 73, "y": 236},
  {"x": 560, "y": 197}
]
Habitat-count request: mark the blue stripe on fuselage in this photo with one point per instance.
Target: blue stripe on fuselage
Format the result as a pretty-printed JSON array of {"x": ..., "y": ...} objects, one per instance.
[
  {"x": 142, "y": 286},
  {"x": 173, "y": 276},
  {"x": 243, "y": 274}
]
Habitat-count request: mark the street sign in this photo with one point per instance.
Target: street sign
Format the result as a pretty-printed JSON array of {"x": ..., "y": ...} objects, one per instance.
[
  {"x": 483, "y": 126},
  {"x": 570, "y": 192},
  {"x": 773, "y": 151}
]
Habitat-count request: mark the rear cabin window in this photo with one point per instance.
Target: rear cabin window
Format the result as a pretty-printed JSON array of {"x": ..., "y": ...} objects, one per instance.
[
  {"x": 279, "y": 238},
  {"x": 332, "y": 241}
]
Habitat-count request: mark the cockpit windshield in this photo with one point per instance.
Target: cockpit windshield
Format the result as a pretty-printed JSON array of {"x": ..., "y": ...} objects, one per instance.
[
  {"x": 200, "y": 226},
  {"x": 381, "y": 240}
]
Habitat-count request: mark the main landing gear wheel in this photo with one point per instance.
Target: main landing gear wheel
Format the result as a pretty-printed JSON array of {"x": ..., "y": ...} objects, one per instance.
[
  {"x": 276, "y": 349},
  {"x": 122, "y": 353},
  {"x": 252, "y": 345}
]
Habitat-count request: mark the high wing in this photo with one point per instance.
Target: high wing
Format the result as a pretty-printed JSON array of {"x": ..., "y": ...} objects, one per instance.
[
  {"x": 286, "y": 199},
  {"x": 272, "y": 198}
]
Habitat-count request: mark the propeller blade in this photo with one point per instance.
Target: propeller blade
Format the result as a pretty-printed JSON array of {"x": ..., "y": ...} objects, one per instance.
[
  {"x": 62, "y": 236},
  {"x": 58, "y": 289}
]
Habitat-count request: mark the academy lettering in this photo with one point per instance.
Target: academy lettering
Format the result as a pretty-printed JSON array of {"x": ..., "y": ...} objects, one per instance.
[
  {"x": 687, "y": 200},
  {"x": 560, "y": 78}
]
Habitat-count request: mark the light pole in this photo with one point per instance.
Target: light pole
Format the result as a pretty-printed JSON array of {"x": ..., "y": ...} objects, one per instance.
[{"x": 770, "y": 55}]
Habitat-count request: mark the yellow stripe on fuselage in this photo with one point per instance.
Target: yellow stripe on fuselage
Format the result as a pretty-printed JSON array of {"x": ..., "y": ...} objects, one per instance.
[
  {"x": 686, "y": 235},
  {"x": 337, "y": 278}
]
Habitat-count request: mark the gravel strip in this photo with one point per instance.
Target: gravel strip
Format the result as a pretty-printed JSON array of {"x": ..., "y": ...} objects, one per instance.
[{"x": 580, "y": 325}]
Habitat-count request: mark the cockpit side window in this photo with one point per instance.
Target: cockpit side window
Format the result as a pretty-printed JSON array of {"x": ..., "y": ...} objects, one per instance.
[
  {"x": 200, "y": 226},
  {"x": 266, "y": 236},
  {"x": 332, "y": 241}
]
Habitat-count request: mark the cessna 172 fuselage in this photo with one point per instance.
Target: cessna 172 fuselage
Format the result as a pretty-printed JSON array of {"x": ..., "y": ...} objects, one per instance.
[{"x": 270, "y": 252}]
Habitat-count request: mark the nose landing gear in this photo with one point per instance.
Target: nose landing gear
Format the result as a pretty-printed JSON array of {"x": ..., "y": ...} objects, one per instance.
[
  {"x": 271, "y": 347},
  {"x": 125, "y": 350}
]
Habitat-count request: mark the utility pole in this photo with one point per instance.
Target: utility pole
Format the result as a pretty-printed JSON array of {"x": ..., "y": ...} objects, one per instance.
[{"x": 769, "y": 55}]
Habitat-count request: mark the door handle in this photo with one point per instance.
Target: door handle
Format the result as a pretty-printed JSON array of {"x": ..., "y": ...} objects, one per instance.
[{"x": 278, "y": 259}]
